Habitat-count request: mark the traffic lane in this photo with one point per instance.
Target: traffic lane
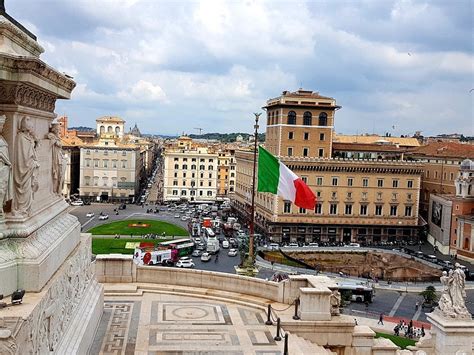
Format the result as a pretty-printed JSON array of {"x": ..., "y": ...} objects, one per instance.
[
  {"x": 381, "y": 303},
  {"x": 224, "y": 262},
  {"x": 407, "y": 307}
]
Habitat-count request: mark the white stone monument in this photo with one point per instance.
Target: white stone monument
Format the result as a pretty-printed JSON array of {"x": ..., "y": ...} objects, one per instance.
[
  {"x": 42, "y": 250},
  {"x": 452, "y": 329}
]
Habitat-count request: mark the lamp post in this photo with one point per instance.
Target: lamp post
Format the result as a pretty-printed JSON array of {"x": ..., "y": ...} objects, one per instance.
[{"x": 252, "y": 208}]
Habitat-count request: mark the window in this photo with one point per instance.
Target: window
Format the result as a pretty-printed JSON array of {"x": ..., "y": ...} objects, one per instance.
[
  {"x": 209, "y": 183},
  {"x": 87, "y": 180},
  {"x": 210, "y": 176},
  {"x": 380, "y": 182},
  {"x": 88, "y": 152},
  {"x": 292, "y": 117},
  {"x": 393, "y": 211},
  {"x": 364, "y": 195},
  {"x": 349, "y": 195},
  {"x": 106, "y": 152},
  {"x": 185, "y": 159},
  {"x": 317, "y": 208},
  {"x": 320, "y": 152},
  {"x": 193, "y": 175},
  {"x": 321, "y": 136},
  {"x": 193, "y": 159},
  {"x": 323, "y": 119},
  {"x": 409, "y": 196},
  {"x": 290, "y": 135},
  {"x": 201, "y": 183},
  {"x": 333, "y": 208},
  {"x": 176, "y": 159},
  {"x": 305, "y": 152},
  {"x": 350, "y": 181},
  {"x": 290, "y": 151},
  {"x": 365, "y": 182},
  {"x": 307, "y": 118},
  {"x": 379, "y": 195},
  {"x": 88, "y": 163},
  {"x": 378, "y": 210},
  {"x": 200, "y": 193},
  {"x": 394, "y": 195},
  {"x": 319, "y": 181},
  {"x": 202, "y": 175},
  {"x": 96, "y": 163},
  {"x": 176, "y": 166},
  {"x": 363, "y": 210},
  {"x": 114, "y": 163},
  {"x": 175, "y": 174},
  {"x": 407, "y": 211},
  {"x": 193, "y": 167},
  {"x": 394, "y": 183},
  {"x": 410, "y": 184},
  {"x": 210, "y": 167},
  {"x": 183, "y": 192},
  {"x": 124, "y": 153},
  {"x": 304, "y": 179},
  {"x": 184, "y": 175},
  {"x": 175, "y": 192},
  {"x": 334, "y": 195},
  {"x": 334, "y": 181},
  {"x": 185, "y": 166},
  {"x": 202, "y": 160},
  {"x": 175, "y": 182},
  {"x": 184, "y": 182},
  {"x": 124, "y": 164},
  {"x": 106, "y": 163},
  {"x": 302, "y": 210},
  {"x": 348, "y": 210},
  {"x": 209, "y": 193},
  {"x": 306, "y": 136},
  {"x": 287, "y": 207}
]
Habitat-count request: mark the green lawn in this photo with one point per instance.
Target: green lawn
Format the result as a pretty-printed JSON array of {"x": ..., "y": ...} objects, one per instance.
[
  {"x": 123, "y": 228},
  {"x": 399, "y": 341},
  {"x": 116, "y": 246}
]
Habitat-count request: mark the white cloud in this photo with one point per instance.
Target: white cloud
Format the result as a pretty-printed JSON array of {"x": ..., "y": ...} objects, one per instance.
[{"x": 143, "y": 90}]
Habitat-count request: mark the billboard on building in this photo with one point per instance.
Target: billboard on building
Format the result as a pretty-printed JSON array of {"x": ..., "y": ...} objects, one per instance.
[{"x": 436, "y": 213}]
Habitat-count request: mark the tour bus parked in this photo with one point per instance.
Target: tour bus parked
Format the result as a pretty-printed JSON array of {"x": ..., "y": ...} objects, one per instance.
[
  {"x": 151, "y": 256},
  {"x": 184, "y": 246}
]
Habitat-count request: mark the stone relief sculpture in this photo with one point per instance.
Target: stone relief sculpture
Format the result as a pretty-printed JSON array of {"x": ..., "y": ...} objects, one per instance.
[
  {"x": 25, "y": 174},
  {"x": 452, "y": 303},
  {"x": 7, "y": 342},
  {"x": 6, "y": 179},
  {"x": 58, "y": 159},
  {"x": 335, "y": 301}
]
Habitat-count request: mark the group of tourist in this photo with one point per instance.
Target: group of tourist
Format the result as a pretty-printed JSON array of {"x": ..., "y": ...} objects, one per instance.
[{"x": 409, "y": 330}]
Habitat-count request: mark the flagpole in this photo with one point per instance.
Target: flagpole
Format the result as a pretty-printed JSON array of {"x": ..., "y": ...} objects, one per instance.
[{"x": 252, "y": 208}]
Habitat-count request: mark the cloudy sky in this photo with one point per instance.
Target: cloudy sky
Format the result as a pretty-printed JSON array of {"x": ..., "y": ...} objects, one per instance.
[{"x": 171, "y": 66}]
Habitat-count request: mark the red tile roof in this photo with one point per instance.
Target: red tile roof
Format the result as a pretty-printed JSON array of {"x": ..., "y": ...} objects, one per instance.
[{"x": 444, "y": 150}]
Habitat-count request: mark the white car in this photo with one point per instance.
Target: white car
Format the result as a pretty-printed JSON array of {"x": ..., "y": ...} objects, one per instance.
[
  {"x": 196, "y": 253},
  {"x": 176, "y": 216},
  {"x": 232, "y": 252},
  {"x": 90, "y": 214},
  {"x": 205, "y": 257},
  {"x": 103, "y": 217},
  {"x": 77, "y": 203},
  {"x": 186, "y": 263},
  {"x": 225, "y": 244},
  {"x": 292, "y": 245}
]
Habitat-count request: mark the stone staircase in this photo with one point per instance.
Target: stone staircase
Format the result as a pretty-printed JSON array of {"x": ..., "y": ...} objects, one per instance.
[{"x": 300, "y": 346}]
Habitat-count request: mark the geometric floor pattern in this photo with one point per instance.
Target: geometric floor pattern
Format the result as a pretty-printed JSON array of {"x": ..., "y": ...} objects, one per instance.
[{"x": 162, "y": 324}]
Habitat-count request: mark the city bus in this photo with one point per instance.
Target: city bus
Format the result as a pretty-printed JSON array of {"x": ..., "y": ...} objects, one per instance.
[
  {"x": 183, "y": 246},
  {"x": 359, "y": 292}
]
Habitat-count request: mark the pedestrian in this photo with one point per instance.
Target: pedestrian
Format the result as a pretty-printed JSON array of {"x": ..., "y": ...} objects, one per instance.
[
  {"x": 417, "y": 305},
  {"x": 355, "y": 320},
  {"x": 380, "y": 319},
  {"x": 217, "y": 258},
  {"x": 422, "y": 330}
]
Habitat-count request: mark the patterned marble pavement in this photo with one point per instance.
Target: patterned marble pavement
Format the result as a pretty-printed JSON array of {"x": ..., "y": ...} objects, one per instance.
[{"x": 166, "y": 324}]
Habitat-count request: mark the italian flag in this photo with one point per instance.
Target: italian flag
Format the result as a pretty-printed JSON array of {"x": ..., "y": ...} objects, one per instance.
[{"x": 275, "y": 177}]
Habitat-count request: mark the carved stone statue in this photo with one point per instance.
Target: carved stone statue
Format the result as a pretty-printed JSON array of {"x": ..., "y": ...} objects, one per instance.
[
  {"x": 59, "y": 162},
  {"x": 452, "y": 302},
  {"x": 25, "y": 174},
  {"x": 6, "y": 179},
  {"x": 335, "y": 300}
]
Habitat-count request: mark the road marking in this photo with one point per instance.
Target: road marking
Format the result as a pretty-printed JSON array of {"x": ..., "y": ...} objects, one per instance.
[
  {"x": 87, "y": 222},
  {"x": 417, "y": 313},
  {"x": 397, "y": 304}
]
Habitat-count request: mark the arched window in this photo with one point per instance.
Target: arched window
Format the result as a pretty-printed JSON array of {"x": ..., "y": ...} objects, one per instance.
[
  {"x": 292, "y": 117},
  {"x": 110, "y": 129},
  {"x": 193, "y": 167},
  {"x": 210, "y": 167},
  {"x": 269, "y": 118},
  {"x": 185, "y": 166},
  {"x": 117, "y": 130},
  {"x": 307, "y": 118},
  {"x": 176, "y": 166},
  {"x": 202, "y": 167},
  {"x": 323, "y": 119},
  {"x": 102, "y": 129}
]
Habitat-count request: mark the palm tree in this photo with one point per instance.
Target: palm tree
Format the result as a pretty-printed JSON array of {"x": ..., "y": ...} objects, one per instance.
[{"x": 429, "y": 295}]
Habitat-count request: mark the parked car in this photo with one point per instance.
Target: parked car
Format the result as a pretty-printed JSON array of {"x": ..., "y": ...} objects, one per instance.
[
  {"x": 196, "y": 252},
  {"x": 90, "y": 214},
  {"x": 273, "y": 246},
  {"x": 205, "y": 257},
  {"x": 225, "y": 244},
  {"x": 313, "y": 245},
  {"x": 292, "y": 245},
  {"x": 354, "y": 245},
  {"x": 123, "y": 206},
  {"x": 185, "y": 263},
  {"x": 103, "y": 217},
  {"x": 77, "y": 203},
  {"x": 176, "y": 216},
  {"x": 201, "y": 246},
  {"x": 232, "y": 252}
]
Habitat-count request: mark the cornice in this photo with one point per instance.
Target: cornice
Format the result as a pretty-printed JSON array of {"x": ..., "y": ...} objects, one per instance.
[
  {"x": 26, "y": 95},
  {"x": 35, "y": 66},
  {"x": 26, "y": 41}
]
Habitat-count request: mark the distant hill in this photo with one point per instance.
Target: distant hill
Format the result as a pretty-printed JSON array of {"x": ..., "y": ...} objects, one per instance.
[
  {"x": 82, "y": 128},
  {"x": 226, "y": 137}
]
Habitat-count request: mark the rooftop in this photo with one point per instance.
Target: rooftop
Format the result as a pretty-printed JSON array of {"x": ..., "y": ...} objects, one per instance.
[
  {"x": 445, "y": 150},
  {"x": 110, "y": 119},
  {"x": 376, "y": 139}
]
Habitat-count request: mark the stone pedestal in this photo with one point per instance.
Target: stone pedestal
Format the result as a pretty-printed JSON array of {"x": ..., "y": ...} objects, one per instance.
[
  {"x": 451, "y": 336},
  {"x": 41, "y": 247}
]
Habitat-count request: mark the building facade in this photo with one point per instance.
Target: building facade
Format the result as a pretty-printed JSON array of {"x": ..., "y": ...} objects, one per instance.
[
  {"x": 227, "y": 173},
  {"x": 359, "y": 200},
  {"x": 190, "y": 172}
]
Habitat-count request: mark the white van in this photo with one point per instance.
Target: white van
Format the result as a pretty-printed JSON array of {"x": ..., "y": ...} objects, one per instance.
[{"x": 273, "y": 246}]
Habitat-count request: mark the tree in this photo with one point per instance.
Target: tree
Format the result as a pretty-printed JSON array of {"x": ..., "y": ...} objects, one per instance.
[{"x": 429, "y": 295}]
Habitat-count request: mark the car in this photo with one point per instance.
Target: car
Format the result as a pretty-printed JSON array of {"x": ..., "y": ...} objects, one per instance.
[
  {"x": 205, "y": 257},
  {"x": 232, "y": 252},
  {"x": 225, "y": 244},
  {"x": 313, "y": 245},
  {"x": 232, "y": 241},
  {"x": 77, "y": 203},
  {"x": 123, "y": 206},
  {"x": 176, "y": 216},
  {"x": 292, "y": 245},
  {"x": 184, "y": 218},
  {"x": 90, "y": 214},
  {"x": 103, "y": 217},
  {"x": 196, "y": 252},
  {"x": 185, "y": 263},
  {"x": 354, "y": 245},
  {"x": 201, "y": 246}
]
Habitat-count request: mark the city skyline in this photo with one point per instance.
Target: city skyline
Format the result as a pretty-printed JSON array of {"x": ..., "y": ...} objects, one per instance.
[{"x": 211, "y": 65}]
